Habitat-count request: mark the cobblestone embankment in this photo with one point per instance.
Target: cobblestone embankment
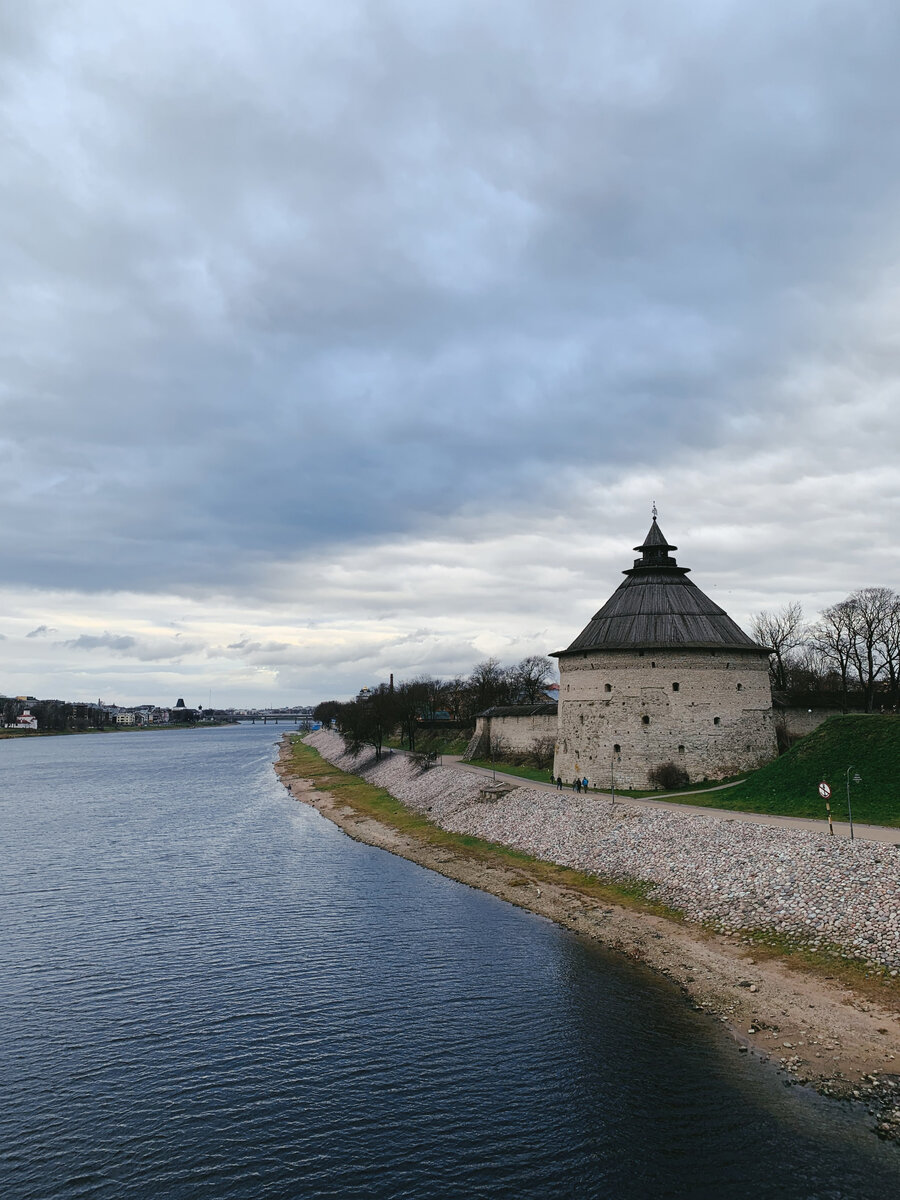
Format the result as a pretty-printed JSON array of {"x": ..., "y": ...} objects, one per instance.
[{"x": 726, "y": 872}]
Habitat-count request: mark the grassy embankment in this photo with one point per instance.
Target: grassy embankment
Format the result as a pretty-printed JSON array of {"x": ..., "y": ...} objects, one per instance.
[
  {"x": 541, "y": 776},
  {"x": 382, "y": 806},
  {"x": 868, "y": 743},
  {"x": 823, "y": 960},
  {"x": 544, "y": 776},
  {"x": 451, "y": 742}
]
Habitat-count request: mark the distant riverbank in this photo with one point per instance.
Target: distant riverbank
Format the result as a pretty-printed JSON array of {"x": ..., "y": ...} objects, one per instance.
[
  {"x": 842, "y": 1040},
  {"x": 7, "y": 734}
]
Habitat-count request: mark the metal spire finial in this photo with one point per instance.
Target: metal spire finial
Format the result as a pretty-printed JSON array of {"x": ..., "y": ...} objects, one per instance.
[{"x": 654, "y": 510}]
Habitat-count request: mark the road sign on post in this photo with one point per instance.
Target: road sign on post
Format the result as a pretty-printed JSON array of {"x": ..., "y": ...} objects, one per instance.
[
  {"x": 856, "y": 779},
  {"x": 825, "y": 792}
]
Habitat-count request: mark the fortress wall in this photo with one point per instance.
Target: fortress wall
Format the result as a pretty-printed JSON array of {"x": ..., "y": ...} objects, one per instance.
[
  {"x": 800, "y": 721},
  {"x": 708, "y": 711},
  {"x": 518, "y": 733}
]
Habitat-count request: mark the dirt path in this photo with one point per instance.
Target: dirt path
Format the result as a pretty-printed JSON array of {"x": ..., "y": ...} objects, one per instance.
[
  {"x": 816, "y": 1030},
  {"x": 866, "y": 833}
]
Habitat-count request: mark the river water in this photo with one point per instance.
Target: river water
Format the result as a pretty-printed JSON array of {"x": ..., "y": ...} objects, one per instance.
[{"x": 207, "y": 990}]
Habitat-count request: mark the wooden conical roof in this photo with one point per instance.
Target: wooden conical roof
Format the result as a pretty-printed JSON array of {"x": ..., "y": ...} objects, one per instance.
[{"x": 658, "y": 607}]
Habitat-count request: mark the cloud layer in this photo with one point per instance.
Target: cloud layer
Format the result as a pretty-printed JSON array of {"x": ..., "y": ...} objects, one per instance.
[{"x": 362, "y": 337}]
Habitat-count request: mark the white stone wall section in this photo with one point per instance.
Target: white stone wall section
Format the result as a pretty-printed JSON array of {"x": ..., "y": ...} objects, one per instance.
[{"x": 708, "y": 711}]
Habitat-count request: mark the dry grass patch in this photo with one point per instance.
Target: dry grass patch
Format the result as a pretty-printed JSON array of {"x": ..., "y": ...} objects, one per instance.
[
  {"x": 825, "y": 961},
  {"x": 381, "y": 805}
]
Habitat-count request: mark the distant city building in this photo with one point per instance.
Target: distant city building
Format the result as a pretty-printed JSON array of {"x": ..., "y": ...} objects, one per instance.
[{"x": 24, "y": 721}]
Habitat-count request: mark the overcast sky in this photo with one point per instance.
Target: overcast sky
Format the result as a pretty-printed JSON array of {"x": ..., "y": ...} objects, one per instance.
[{"x": 345, "y": 338}]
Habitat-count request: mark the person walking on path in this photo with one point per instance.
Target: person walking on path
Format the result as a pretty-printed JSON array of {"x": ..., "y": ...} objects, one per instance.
[
  {"x": 584, "y": 784},
  {"x": 578, "y": 786},
  {"x": 559, "y": 783}
]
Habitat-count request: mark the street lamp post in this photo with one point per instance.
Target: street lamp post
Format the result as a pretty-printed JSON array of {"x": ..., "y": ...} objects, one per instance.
[{"x": 856, "y": 779}]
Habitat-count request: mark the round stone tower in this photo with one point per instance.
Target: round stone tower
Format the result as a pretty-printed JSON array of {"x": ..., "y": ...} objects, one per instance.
[{"x": 661, "y": 674}]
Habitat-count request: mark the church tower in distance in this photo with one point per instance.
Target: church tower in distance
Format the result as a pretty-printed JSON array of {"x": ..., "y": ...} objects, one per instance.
[{"x": 662, "y": 674}]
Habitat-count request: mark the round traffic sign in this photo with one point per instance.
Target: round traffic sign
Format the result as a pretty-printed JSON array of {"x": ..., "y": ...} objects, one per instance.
[{"x": 824, "y": 790}]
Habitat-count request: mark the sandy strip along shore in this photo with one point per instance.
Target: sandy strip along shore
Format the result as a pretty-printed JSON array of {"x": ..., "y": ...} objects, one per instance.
[{"x": 816, "y": 1030}]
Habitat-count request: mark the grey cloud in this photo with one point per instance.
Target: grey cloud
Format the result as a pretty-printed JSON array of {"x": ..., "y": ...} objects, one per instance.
[
  {"x": 249, "y": 649},
  {"x": 40, "y": 631},
  {"x": 105, "y": 641},
  {"x": 141, "y": 649},
  {"x": 316, "y": 275}
]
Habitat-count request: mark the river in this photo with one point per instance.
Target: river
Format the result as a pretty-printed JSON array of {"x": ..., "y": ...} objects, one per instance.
[{"x": 207, "y": 990}]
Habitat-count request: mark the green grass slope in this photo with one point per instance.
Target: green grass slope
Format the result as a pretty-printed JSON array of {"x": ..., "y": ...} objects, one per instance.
[{"x": 868, "y": 743}]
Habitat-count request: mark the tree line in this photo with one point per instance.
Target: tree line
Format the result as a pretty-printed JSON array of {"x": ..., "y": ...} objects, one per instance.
[
  {"x": 849, "y": 655},
  {"x": 372, "y": 717},
  {"x": 58, "y": 716}
]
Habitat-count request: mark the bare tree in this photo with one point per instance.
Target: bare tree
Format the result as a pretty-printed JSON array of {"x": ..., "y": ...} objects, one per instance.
[
  {"x": 542, "y": 750},
  {"x": 498, "y": 746},
  {"x": 872, "y": 610},
  {"x": 490, "y": 684},
  {"x": 411, "y": 699},
  {"x": 833, "y": 637},
  {"x": 782, "y": 632},
  {"x": 529, "y": 679},
  {"x": 368, "y": 721},
  {"x": 810, "y": 671},
  {"x": 892, "y": 651},
  {"x": 457, "y": 697}
]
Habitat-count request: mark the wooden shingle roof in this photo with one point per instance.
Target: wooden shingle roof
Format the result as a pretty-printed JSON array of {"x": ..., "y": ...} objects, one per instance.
[{"x": 658, "y": 607}]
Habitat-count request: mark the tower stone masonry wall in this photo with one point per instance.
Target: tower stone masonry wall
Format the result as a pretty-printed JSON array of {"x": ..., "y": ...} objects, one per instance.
[{"x": 709, "y": 711}]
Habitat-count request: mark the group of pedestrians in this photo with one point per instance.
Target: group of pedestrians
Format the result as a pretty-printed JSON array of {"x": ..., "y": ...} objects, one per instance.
[{"x": 578, "y": 785}]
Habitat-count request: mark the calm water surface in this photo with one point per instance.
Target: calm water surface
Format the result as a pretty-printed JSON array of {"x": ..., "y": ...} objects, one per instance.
[{"x": 209, "y": 991}]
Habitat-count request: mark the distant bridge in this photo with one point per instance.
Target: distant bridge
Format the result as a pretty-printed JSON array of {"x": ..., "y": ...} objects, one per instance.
[{"x": 286, "y": 717}]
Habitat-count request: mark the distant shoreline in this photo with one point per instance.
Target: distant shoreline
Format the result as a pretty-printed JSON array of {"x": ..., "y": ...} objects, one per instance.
[{"x": 13, "y": 734}]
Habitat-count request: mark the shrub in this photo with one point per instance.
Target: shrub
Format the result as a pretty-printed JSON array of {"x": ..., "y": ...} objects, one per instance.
[
  {"x": 541, "y": 753},
  {"x": 784, "y": 739},
  {"x": 668, "y": 776}
]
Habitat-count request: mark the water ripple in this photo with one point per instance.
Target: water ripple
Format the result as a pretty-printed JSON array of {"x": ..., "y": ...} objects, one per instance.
[{"x": 209, "y": 991}]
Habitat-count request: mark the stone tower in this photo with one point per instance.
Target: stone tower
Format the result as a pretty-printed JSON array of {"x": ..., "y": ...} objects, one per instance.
[{"x": 662, "y": 674}]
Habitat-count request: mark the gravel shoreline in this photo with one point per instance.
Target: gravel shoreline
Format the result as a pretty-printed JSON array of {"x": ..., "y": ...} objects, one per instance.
[
  {"x": 811, "y": 1028},
  {"x": 732, "y": 874}
]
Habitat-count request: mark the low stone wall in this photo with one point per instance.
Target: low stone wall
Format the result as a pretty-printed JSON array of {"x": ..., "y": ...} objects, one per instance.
[
  {"x": 517, "y": 734},
  {"x": 801, "y": 721},
  {"x": 732, "y": 873}
]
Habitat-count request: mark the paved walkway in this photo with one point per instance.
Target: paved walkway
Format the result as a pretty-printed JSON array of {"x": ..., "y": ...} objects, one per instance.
[{"x": 869, "y": 833}]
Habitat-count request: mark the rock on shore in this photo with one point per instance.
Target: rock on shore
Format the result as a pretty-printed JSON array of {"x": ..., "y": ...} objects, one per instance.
[{"x": 731, "y": 873}]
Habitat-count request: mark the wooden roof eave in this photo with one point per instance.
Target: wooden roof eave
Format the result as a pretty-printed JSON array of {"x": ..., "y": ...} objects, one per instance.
[{"x": 752, "y": 648}]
